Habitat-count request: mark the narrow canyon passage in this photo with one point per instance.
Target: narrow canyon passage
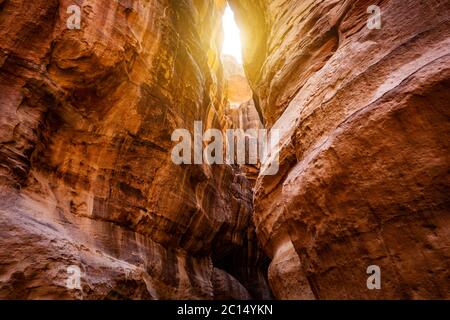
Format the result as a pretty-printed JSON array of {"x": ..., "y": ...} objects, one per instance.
[{"x": 92, "y": 92}]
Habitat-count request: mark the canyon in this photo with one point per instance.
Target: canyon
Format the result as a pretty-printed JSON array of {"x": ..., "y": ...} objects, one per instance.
[{"x": 87, "y": 179}]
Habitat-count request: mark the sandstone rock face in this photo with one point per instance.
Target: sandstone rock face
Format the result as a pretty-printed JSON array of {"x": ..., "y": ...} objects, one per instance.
[
  {"x": 86, "y": 175},
  {"x": 87, "y": 184},
  {"x": 364, "y": 115}
]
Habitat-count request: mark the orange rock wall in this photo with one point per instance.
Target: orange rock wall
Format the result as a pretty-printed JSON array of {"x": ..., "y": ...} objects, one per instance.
[
  {"x": 86, "y": 178},
  {"x": 364, "y": 116},
  {"x": 86, "y": 173}
]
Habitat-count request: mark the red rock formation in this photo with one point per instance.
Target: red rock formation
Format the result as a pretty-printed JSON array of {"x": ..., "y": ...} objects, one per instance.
[
  {"x": 364, "y": 116},
  {"x": 86, "y": 178},
  {"x": 86, "y": 173}
]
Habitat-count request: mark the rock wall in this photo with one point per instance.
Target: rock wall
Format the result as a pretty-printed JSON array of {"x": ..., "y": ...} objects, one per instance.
[
  {"x": 87, "y": 184},
  {"x": 86, "y": 176},
  {"x": 364, "y": 115}
]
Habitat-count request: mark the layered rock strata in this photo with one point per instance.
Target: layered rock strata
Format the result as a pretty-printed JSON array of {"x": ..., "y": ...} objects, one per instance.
[
  {"x": 87, "y": 181},
  {"x": 364, "y": 115}
]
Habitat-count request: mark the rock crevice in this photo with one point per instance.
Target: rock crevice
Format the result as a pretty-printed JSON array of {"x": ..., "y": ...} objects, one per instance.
[{"x": 86, "y": 177}]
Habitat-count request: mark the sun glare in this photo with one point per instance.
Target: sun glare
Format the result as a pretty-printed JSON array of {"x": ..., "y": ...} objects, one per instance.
[{"x": 232, "y": 37}]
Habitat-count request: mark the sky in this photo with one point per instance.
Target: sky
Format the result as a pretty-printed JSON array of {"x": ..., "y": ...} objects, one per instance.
[{"x": 232, "y": 40}]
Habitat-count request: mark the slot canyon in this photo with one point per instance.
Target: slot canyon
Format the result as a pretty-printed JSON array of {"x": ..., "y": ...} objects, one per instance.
[{"x": 87, "y": 179}]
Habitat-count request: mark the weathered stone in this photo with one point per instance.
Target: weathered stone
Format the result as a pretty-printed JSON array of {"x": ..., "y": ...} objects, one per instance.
[
  {"x": 87, "y": 181},
  {"x": 364, "y": 116},
  {"x": 85, "y": 133}
]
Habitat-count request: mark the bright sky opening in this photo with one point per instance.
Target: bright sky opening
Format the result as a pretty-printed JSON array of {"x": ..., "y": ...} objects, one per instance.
[{"x": 232, "y": 36}]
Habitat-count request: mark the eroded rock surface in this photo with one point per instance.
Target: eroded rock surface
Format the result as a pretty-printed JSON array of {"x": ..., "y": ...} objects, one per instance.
[
  {"x": 86, "y": 178},
  {"x": 85, "y": 141},
  {"x": 364, "y": 116}
]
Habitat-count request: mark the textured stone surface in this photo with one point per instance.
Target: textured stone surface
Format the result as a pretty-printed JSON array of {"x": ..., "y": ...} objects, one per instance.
[
  {"x": 86, "y": 177},
  {"x": 364, "y": 174},
  {"x": 85, "y": 140}
]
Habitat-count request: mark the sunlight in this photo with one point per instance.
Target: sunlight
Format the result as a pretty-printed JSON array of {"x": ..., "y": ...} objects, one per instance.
[{"x": 232, "y": 39}]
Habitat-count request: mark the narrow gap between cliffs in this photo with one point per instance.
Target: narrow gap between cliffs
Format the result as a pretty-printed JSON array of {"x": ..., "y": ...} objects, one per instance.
[
  {"x": 247, "y": 264},
  {"x": 240, "y": 110}
]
